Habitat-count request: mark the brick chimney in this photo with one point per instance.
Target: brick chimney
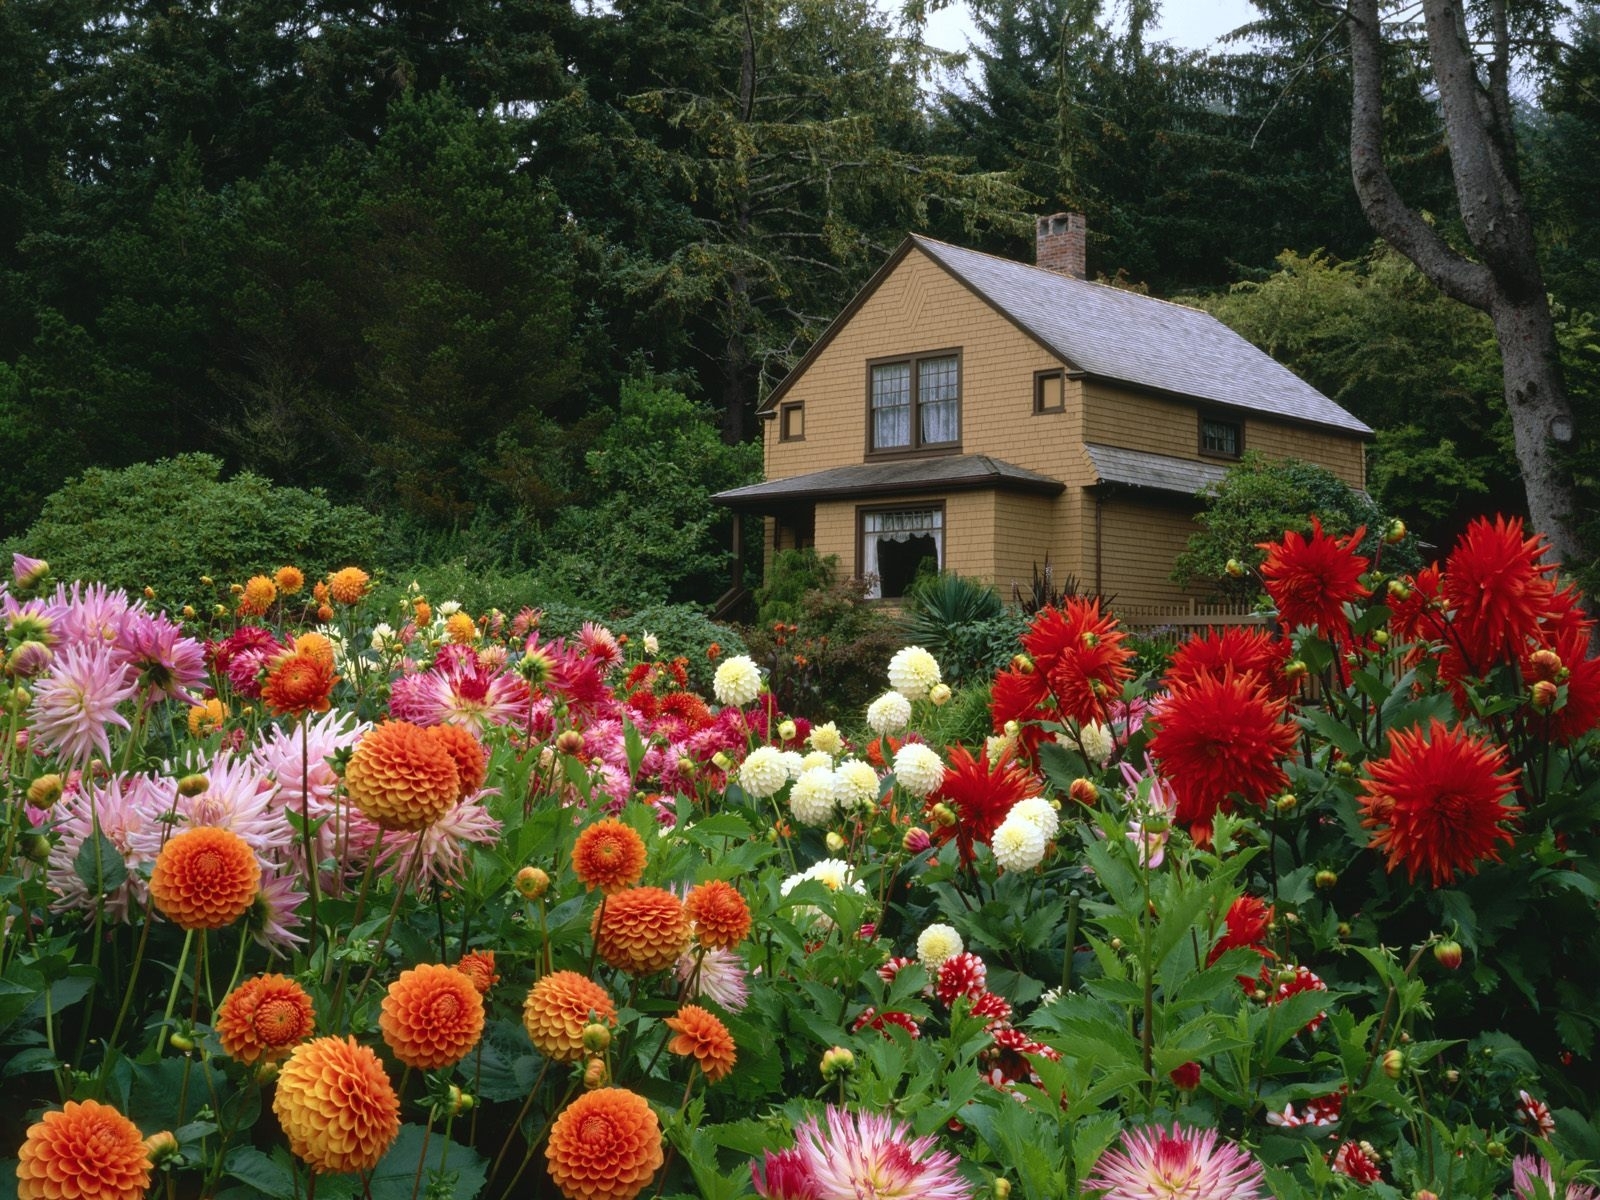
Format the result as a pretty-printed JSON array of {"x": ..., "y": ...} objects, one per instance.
[{"x": 1059, "y": 243}]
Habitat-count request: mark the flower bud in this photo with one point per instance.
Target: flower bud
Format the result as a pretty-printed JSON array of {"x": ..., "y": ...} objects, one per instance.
[
  {"x": 1447, "y": 953},
  {"x": 837, "y": 1061},
  {"x": 1286, "y": 803},
  {"x": 916, "y": 840},
  {"x": 1022, "y": 664},
  {"x": 193, "y": 785},
  {"x": 1394, "y": 1063},
  {"x": 596, "y": 1074},
  {"x": 1234, "y": 568},
  {"x": 686, "y": 767},
  {"x": 943, "y": 815},
  {"x": 596, "y": 1037},
  {"x": 1546, "y": 664},
  {"x": 835, "y": 841},
  {"x": 1344, "y": 767},
  {"x": 1001, "y": 1188},
  {"x": 1116, "y": 943},
  {"x": 1186, "y": 1077},
  {"x": 939, "y": 693},
  {"x": 1494, "y": 1149},
  {"x": 721, "y": 761},
  {"x": 267, "y": 1073},
  {"x": 787, "y": 731},
  {"x": 1327, "y": 879},
  {"x": 1343, "y": 929},
  {"x": 1396, "y": 532},
  {"x": 1399, "y": 589},
  {"x": 45, "y": 791},
  {"x": 1295, "y": 669},
  {"x": 1545, "y": 694},
  {"x": 533, "y": 882},
  {"x": 1380, "y": 637},
  {"x": 1425, "y": 1194},
  {"x": 1083, "y": 791},
  {"x": 162, "y": 1147},
  {"x": 569, "y": 741},
  {"x": 188, "y": 612},
  {"x": 181, "y": 1042},
  {"x": 460, "y": 1101},
  {"x": 29, "y": 659},
  {"x": 149, "y": 592},
  {"x": 18, "y": 699}
]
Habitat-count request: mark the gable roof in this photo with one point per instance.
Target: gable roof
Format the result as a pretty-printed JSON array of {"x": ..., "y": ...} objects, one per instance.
[
  {"x": 1120, "y": 336},
  {"x": 945, "y": 473}
]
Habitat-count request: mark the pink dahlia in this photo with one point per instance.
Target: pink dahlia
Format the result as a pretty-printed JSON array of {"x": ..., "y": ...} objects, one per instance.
[
  {"x": 860, "y": 1154},
  {"x": 90, "y": 614},
  {"x": 124, "y": 806},
  {"x": 76, "y": 700},
  {"x": 1177, "y": 1164},
  {"x": 461, "y": 690},
  {"x": 1525, "y": 1169},
  {"x": 166, "y": 663},
  {"x": 716, "y": 974}
]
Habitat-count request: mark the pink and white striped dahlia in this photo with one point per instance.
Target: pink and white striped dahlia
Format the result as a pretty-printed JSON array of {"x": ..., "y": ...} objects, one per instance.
[
  {"x": 442, "y": 859},
  {"x": 76, "y": 700},
  {"x": 463, "y": 692},
  {"x": 783, "y": 1176},
  {"x": 874, "y": 1154},
  {"x": 241, "y": 799},
  {"x": 1177, "y": 1164},
  {"x": 715, "y": 973}
]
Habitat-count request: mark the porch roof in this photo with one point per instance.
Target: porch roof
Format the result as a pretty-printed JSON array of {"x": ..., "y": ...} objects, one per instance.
[{"x": 947, "y": 473}]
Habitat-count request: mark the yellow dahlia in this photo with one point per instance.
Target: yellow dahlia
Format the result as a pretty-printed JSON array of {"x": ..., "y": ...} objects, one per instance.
[
  {"x": 402, "y": 777},
  {"x": 641, "y": 930},
  {"x": 559, "y": 1006},
  {"x": 460, "y": 629},
  {"x": 605, "y": 1145},
  {"x": 432, "y": 1016},
  {"x": 258, "y": 596},
  {"x": 336, "y": 1105},
  {"x": 87, "y": 1151},
  {"x": 208, "y": 718},
  {"x": 205, "y": 878}
]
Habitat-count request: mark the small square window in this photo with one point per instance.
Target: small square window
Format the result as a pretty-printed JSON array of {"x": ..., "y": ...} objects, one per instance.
[
  {"x": 1221, "y": 438},
  {"x": 792, "y": 423},
  {"x": 1049, "y": 392}
]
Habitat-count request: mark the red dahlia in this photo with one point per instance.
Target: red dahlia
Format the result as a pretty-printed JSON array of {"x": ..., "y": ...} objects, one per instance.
[
  {"x": 1311, "y": 579},
  {"x": 981, "y": 793},
  {"x": 1497, "y": 587},
  {"x": 1248, "y": 651}
]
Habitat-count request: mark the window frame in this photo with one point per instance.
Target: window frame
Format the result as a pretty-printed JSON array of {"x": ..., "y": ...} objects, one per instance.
[
  {"x": 796, "y": 408},
  {"x": 863, "y": 511},
  {"x": 916, "y": 447},
  {"x": 1235, "y": 423},
  {"x": 1039, "y": 406}
]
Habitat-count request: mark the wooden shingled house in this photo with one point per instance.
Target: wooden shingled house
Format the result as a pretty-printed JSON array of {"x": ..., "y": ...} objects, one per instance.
[{"x": 990, "y": 415}]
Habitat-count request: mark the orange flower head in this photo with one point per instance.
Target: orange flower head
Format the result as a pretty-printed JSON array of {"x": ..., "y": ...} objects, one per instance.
[
  {"x": 336, "y": 1105},
  {"x": 205, "y": 878},
  {"x": 258, "y": 596},
  {"x": 324, "y": 613},
  {"x": 298, "y": 683},
  {"x": 290, "y": 580},
  {"x": 701, "y": 1036},
  {"x": 608, "y": 855},
  {"x": 314, "y": 645},
  {"x": 401, "y": 777},
  {"x": 605, "y": 1145},
  {"x": 478, "y": 966},
  {"x": 641, "y": 930},
  {"x": 432, "y": 1016},
  {"x": 264, "y": 1018},
  {"x": 1436, "y": 802},
  {"x": 1311, "y": 579},
  {"x": 720, "y": 915},
  {"x": 208, "y": 718},
  {"x": 422, "y": 611},
  {"x": 559, "y": 1006},
  {"x": 86, "y": 1151},
  {"x": 319, "y": 592},
  {"x": 471, "y": 759},
  {"x": 349, "y": 585},
  {"x": 460, "y": 629}
]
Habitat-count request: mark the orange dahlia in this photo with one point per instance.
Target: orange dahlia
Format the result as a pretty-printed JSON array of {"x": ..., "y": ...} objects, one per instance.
[
  {"x": 460, "y": 629},
  {"x": 207, "y": 718},
  {"x": 1436, "y": 802},
  {"x": 478, "y": 966},
  {"x": 315, "y": 645},
  {"x": 701, "y": 1036},
  {"x": 87, "y": 1151},
  {"x": 720, "y": 915},
  {"x": 402, "y": 777},
  {"x": 559, "y": 1006},
  {"x": 205, "y": 878},
  {"x": 432, "y": 1016},
  {"x": 641, "y": 930},
  {"x": 608, "y": 855},
  {"x": 298, "y": 684},
  {"x": 289, "y": 580},
  {"x": 349, "y": 585},
  {"x": 605, "y": 1145},
  {"x": 264, "y": 1019},
  {"x": 422, "y": 611},
  {"x": 471, "y": 759},
  {"x": 336, "y": 1105},
  {"x": 258, "y": 596}
]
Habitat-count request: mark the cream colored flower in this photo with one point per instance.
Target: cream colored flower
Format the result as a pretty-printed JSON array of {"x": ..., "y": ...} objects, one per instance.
[
  {"x": 737, "y": 681},
  {"x": 825, "y": 738},
  {"x": 918, "y": 769},
  {"x": 1097, "y": 743},
  {"x": 816, "y": 759},
  {"x": 913, "y": 672},
  {"x": 763, "y": 772},
  {"x": 793, "y": 762},
  {"x": 1039, "y": 812},
  {"x": 937, "y": 943},
  {"x": 889, "y": 713},
  {"x": 939, "y": 694},
  {"x": 1018, "y": 844},
  {"x": 651, "y": 644},
  {"x": 856, "y": 785},
  {"x": 812, "y": 798}
]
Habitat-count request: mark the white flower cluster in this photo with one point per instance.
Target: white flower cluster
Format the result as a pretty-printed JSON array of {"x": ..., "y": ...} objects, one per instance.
[
  {"x": 835, "y": 875},
  {"x": 763, "y": 772},
  {"x": 889, "y": 713},
  {"x": 737, "y": 681},
  {"x": 935, "y": 944},
  {"x": 1024, "y": 836},
  {"x": 913, "y": 672},
  {"x": 918, "y": 769}
]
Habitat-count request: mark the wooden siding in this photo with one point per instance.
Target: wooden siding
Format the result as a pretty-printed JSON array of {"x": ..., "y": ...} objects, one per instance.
[{"x": 1139, "y": 543}]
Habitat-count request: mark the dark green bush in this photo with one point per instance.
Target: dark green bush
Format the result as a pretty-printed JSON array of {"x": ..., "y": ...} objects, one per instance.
[
  {"x": 165, "y": 524},
  {"x": 964, "y": 624},
  {"x": 792, "y": 575}
]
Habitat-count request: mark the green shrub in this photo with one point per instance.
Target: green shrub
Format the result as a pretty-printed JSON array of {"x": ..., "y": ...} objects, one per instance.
[
  {"x": 964, "y": 624},
  {"x": 165, "y": 524},
  {"x": 792, "y": 575},
  {"x": 686, "y": 630}
]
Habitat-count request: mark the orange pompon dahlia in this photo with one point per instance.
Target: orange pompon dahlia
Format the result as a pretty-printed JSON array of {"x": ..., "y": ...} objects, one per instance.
[
  {"x": 205, "y": 878},
  {"x": 1311, "y": 579},
  {"x": 314, "y": 645},
  {"x": 290, "y": 580},
  {"x": 471, "y": 759},
  {"x": 608, "y": 855},
  {"x": 257, "y": 597},
  {"x": 298, "y": 684},
  {"x": 478, "y": 966},
  {"x": 720, "y": 915},
  {"x": 336, "y": 1105},
  {"x": 701, "y": 1036},
  {"x": 432, "y": 1016},
  {"x": 559, "y": 1006},
  {"x": 86, "y": 1151},
  {"x": 605, "y": 1145},
  {"x": 460, "y": 629},
  {"x": 264, "y": 1018},
  {"x": 641, "y": 930},
  {"x": 1436, "y": 802},
  {"x": 349, "y": 585},
  {"x": 401, "y": 777}
]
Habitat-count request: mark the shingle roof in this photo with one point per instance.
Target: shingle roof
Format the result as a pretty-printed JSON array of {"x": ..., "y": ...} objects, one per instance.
[
  {"x": 1138, "y": 468},
  {"x": 948, "y": 473},
  {"x": 1120, "y": 335}
]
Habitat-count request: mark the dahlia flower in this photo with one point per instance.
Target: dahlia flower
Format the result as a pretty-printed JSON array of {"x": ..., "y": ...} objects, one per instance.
[
  {"x": 336, "y": 1106},
  {"x": 164, "y": 661},
  {"x": 205, "y": 878},
  {"x": 608, "y": 855},
  {"x": 431, "y": 1017},
  {"x": 264, "y": 1018},
  {"x": 918, "y": 769},
  {"x": 1311, "y": 579},
  {"x": 983, "y": 791},
  {"x": 848, "y": 1155},
  {"x": 812, "y": 799},
  {"x": 125, "y": 806},
  {"x": 913, "y": 672},
  {"x": 1018, "y": 845},
  {"x": 76, "y": 700},
  {"x": 720, "y": 915},
  {"x": 856, "y": 786},
  {"x": 763, "y": 772},
  {"x": 737, "y": 681},
  {"x": 701, "y": 1036},
  {"x": 605, "y": 1145},
  {"x": 401, "y": 777},
  {"x": 717, "y": 974},
  {"x": 1037, "y": 811},
  {"x": 641, "y": 930},
  {"x": 1096, "y": 742},
  {"x": 889, "y": 713},
  {"x": 1497, "y": 586},
  {"x": 86, "y": 1151},
  {"x": 935, "y": 944},
  {"x": 1189, "y": 1163},
  {"x": 825, "y": 737},
  {"x": 558, "y": 1007}
]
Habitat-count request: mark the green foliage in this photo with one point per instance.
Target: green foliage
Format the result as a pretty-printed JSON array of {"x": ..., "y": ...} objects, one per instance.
[
  {"x": 165, "y": 524},
  {"x": 793, "y": 573},
  {"x": 683, "y": 629},
  {"x": 962, "y": 623},
  {"x": 1260, "y": 498}
]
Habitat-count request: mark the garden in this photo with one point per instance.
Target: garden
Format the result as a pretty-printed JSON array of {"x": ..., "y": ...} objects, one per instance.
[{"x": 331, "y": 888}]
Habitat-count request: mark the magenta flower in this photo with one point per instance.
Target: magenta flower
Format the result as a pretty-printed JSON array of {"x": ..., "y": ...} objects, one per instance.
[
  {"x": 90, "y": 613},
  {"x": 1177, "y": 1164},
  {"x": 460, "y": 690},
  {"x": 783, "y": 1176},
  {"x": 166, "y": 663},
  {"x": 27, "y": 572},
  {"x": 76, "y": 700},
  {"x": 872, "y": 1154},
  {"x": 1525, "y": 1169}
]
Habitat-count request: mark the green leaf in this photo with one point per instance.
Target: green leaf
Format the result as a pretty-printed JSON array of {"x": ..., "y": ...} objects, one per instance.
[
  {"x": 24, "y": 1062},
  {"x": 268, "y": 1176},
  {"x": 100, "y": 865},
  {"x": 394, "y": 1178}
]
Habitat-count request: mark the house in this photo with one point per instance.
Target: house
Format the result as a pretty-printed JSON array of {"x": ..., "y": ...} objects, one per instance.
[{"x": 989, "y": 415}]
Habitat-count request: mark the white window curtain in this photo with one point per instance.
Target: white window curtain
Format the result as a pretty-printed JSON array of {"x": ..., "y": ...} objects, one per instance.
[
  {"x": 900, "y": 526},
  {"x": 891, "y": 406},
  {"x": 938, "y": 393}
]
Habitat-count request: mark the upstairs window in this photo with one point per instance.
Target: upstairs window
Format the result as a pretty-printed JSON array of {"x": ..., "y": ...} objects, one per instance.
[
  {"x": 1049, "y": 392},
  {"x": 915, "y": 403},
  {"x": 792, "y": 423},
  {"x": 1221, "y": 438}
]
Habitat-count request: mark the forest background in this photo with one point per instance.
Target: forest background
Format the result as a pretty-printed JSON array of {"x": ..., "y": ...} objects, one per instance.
[{"x": 511, "y": 277}]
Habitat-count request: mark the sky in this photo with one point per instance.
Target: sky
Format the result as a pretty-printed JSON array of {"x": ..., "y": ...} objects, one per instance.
[{"x": 1191, "y": 24}]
